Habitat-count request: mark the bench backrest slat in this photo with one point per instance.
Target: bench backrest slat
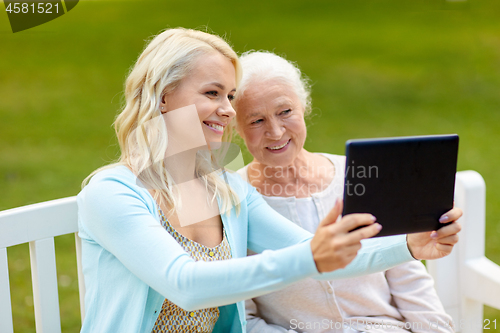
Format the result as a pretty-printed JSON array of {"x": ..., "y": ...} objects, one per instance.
[
  {"x": 42, "y": 220},
  {"x": 44, "y": 278},
  {"x": 6, "y": 324},
  {"x": 81, "y": 282}
]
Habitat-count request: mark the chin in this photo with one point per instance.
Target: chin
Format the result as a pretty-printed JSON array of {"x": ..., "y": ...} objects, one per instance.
[{"x": 213, "y": 139}]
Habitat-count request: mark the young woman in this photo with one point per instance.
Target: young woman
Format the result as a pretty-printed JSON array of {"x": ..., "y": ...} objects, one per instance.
[{"x": 165, "y": 232}]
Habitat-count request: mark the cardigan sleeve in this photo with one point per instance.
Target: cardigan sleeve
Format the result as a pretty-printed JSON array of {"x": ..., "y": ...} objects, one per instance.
[
  {"x": 120, "y": 217},
  {"x": 375, "y": 256},
  {"x": 117, "y": 217}
]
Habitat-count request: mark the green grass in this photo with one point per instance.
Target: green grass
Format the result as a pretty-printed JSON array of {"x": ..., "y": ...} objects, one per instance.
[{"x": 378, "y": 68}]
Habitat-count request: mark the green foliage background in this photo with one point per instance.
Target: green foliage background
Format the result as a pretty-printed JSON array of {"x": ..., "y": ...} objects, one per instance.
[{"x": 378, "y": 68}]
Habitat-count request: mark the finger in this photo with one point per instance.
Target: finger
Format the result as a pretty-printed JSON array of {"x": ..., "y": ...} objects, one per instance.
[
  {"x": 451, "y": 229},
  {"x": 353, "y": 221},
  {"x": 450, "y": 240},
  {"x": 444, "y": 248},
  {"x": 340, "y": 202},
  {"x": 333, "y": 214},
  {"x": 452, "y": 215},
  {"x": 363, "y": 233}
]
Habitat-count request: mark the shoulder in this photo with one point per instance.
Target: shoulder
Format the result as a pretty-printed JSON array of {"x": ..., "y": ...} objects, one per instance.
[
  {"x": 112, "y": 203},
  {"x": 113, "y": 179},
  {"x": 111, "y": 185},
  {"x": 117, "y": 173},
  {"x": 338, "y": 161},
  {"x": 334, "y": 158},
  {"x": 236, "y": 181}
]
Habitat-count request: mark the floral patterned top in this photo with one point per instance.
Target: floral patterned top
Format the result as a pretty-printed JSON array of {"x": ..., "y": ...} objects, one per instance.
[{"x": 174, "y": 319}]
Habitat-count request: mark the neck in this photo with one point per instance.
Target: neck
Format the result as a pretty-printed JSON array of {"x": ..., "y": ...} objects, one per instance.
[{"x": 181, "y": 166}]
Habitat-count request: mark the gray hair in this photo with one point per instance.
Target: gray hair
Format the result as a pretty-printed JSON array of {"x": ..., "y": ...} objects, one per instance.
[{"x": 264, "y": 66}]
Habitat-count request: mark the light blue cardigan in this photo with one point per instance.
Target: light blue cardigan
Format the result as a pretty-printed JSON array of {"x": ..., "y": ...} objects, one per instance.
[{"x": 131, "y": 264}]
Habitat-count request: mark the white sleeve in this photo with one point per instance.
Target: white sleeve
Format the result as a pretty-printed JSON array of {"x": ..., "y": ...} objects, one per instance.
[
  {"x": 413, "y": 292},
  {"x": 256, "y": 324}
]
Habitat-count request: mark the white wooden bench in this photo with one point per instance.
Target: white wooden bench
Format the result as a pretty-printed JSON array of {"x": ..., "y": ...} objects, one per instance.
[
  {"x": 37, "y": 225},
  {"x": 465, "y": 280}
]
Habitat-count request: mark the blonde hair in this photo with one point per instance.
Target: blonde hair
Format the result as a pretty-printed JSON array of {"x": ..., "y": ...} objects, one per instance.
[
  {"x": 261, "y": 66},
  {"x": 166, "y": 60}
]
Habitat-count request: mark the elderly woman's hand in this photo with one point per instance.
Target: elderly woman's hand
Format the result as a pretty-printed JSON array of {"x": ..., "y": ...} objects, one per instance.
[
  {"x": 333, "y": 245},
  {"x": 436, "y": 244}
]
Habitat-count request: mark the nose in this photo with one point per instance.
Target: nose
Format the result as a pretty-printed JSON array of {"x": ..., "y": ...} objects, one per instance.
[
  {"x": 275, "y": 129},
  {"x": 226, "y": 110}
]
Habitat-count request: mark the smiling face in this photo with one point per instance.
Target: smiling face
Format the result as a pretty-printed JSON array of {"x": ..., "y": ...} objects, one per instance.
[
  {"x": 210, "y": 86},
  {"x": 270, "y": 119}
]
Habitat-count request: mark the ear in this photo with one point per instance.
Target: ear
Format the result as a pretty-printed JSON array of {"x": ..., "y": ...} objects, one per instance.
[{"x": 163, "y": 104}]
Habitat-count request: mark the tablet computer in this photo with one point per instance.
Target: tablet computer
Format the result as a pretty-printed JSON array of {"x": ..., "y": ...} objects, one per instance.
[{"x": 407, "y": 183}]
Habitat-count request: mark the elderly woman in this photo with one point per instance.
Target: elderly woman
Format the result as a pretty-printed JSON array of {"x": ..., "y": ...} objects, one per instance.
[{"x": 271, "y": 104}]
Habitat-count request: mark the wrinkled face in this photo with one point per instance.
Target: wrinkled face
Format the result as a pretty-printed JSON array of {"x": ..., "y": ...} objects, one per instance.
[
  {"x": 210, "y": 86},
  {"x": 270, "y": 119}
]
